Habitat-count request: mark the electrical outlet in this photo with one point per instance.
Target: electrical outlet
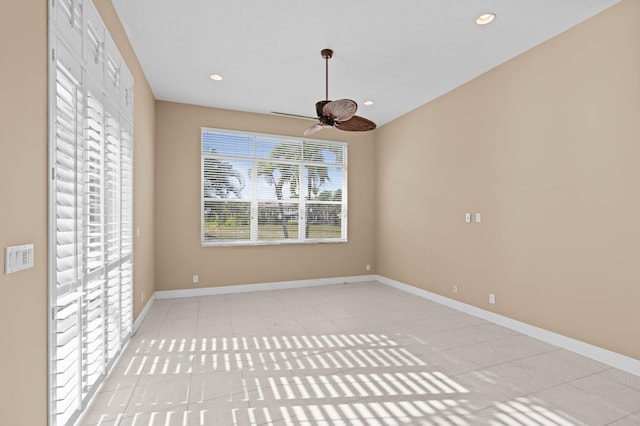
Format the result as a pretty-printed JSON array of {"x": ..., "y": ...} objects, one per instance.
[
  {"x": 455, "y": 289},
  {"x": 368, "y": 267},
  {"x": 196, "y": 279},
  {"x": 467, "y": 217},
  {"x": 492, "y": 298}
]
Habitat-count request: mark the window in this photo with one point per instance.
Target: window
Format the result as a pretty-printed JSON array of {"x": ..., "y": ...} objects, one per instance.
[
  {"x": 267, "y": 189},
  {"x": 91, "y": 206}
]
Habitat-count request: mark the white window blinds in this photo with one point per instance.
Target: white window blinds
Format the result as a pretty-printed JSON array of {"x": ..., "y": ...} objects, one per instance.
[
  {"x": 91, "y": 206},
  {"x": 266, "y": 189}
]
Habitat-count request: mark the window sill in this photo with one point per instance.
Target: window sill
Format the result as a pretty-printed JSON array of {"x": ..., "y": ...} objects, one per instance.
[{"x": 208, "y": 244}]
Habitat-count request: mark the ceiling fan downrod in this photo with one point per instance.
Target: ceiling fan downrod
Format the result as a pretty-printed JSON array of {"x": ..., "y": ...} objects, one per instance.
[{"x": 326, "y": 54}]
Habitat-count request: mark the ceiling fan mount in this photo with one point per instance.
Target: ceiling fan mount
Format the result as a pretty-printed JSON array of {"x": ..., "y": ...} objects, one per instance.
[
  {"x": 326, "y": 53},
  {"x": 338, "y": 114}
]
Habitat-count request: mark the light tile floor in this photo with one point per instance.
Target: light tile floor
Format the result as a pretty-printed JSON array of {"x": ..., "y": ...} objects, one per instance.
[{"x": 351, "y": 354}]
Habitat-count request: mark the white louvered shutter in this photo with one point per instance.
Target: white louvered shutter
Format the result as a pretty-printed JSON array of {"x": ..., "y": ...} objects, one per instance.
[
  {"x": 126, "y": 92},
  {"x": 68, "y": 16},
  {"x": 66, "y": 197},
  {"x": 126, "y": 228},
  {"x": 112, "y": 230},
  {"x": 93, "y": 224},
  {"x": 91, "y": 207},
  {"x": 94, "y": 45},
  {"x": 113, "y": 64}
]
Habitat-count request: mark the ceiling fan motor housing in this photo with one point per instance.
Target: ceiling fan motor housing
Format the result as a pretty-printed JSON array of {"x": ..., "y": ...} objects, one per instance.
[{"x": 319, "y": 106}]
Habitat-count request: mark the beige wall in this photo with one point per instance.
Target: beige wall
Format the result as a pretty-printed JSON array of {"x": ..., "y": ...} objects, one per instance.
[
  {"x": 547, "y": 148},
  {"x": 24, "y": 205},
  {"x": 178, "y": 252},
  {"x": 23, "y": 211}
]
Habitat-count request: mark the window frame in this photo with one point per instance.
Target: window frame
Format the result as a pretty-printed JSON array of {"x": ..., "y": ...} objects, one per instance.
[{"x": 252, "y": 182}]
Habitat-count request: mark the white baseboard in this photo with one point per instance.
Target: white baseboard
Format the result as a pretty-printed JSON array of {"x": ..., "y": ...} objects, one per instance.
[
  {"x": 243, "y": 288},
  {"x": 143, "y": 313},
  {"x": 613, "y": 359}
]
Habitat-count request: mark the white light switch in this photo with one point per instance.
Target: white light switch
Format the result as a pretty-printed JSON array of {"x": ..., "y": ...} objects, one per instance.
[
  {"x": 467, "y": 217},
  {"x": 17, "y": 258},
  {"x": 478, "y": 217}
]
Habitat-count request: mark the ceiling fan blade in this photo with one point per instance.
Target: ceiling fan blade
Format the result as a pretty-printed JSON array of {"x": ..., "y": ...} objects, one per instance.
[
  {"x": 315, "y": 128},
  {"x": 356, "y": 124},
  {"x": 340, "y": 110},
  {"x": 286, "y": 114}
]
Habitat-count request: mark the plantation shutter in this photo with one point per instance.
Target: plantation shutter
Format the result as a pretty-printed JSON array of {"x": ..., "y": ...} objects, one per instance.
[
  {"x": 126, "y": 227},
  {"x": 112, "y": 70},
  {"x": 126, "y": 93},
  {"x": 68, "y": 17},
  {"x": 67, "y": 237},
  {"x": 94, "y": 45},
  {"x": 93, "y": 224},
  {"x": 91, "y": 203},
  {"x": 112, "y": 231}
]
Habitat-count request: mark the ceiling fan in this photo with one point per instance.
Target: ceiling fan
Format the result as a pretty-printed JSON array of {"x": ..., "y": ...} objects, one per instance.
[{"x": 339, "y": 114}]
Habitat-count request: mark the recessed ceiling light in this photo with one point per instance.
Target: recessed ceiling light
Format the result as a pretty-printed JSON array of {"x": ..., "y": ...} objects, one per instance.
[
  {"x": 215, "y": 77},
  {"x": 485, "y": 19},
  {"x": 368, "y": 102}
]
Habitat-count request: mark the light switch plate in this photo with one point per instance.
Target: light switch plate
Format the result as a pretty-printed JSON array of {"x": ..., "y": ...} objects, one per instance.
[{"x": 17, "y": 258}]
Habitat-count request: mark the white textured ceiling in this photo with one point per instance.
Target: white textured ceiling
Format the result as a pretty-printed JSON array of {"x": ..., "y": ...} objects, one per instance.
[{"x": 399, "y": 53}]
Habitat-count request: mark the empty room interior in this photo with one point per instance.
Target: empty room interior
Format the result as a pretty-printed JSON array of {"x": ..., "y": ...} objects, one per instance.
[{"x": 463, "y": 251}]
